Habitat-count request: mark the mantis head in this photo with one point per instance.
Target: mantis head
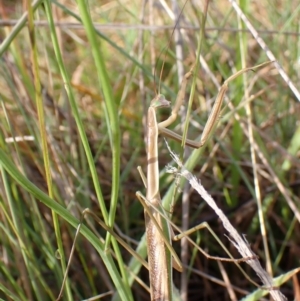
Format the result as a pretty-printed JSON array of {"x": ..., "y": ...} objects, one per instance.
[{"x": 159, "y": 101}]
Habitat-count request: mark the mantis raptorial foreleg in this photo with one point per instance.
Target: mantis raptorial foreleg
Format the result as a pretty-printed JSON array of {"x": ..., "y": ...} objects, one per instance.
[
  {"x": 158, "y": 229},
  {"x": 213, "y": 117}
]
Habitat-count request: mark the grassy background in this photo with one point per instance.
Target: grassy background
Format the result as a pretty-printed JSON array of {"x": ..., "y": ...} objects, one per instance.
[{"x": 78, "y": 100}]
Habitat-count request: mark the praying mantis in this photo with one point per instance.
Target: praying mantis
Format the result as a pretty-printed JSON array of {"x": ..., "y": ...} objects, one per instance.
[
  {"x": 158, "y": 230},
  {"x": 161, "y": 256}
]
